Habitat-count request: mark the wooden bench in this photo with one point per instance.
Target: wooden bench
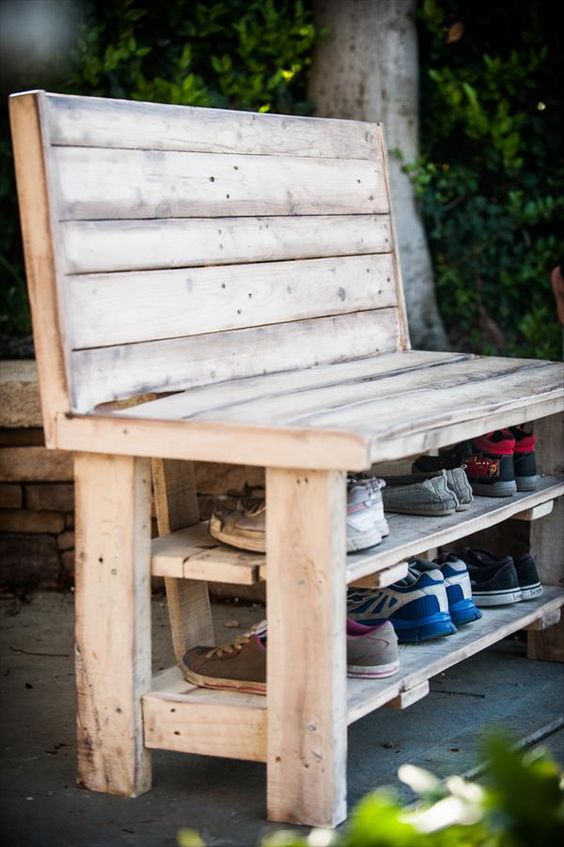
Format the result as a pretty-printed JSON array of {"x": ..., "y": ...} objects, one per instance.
[{"x": 224, "y": 286}]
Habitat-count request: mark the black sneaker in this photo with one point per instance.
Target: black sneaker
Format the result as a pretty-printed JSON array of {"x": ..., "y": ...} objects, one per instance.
[
  {"x": 490, "y": 469},
  {"x": 494, "y": 580},
  {"x": 528, "y": 576},
  {"x": 526, "y": 475}
]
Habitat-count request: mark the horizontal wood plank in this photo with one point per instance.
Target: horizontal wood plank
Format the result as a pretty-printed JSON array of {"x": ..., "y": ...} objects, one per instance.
[
  {"x": 97, "y": 122},
  {"x": 102, "y": 184},
  {"x": 420, "y": 662},
  {"x": 105, "y": 246},
  {"x": 137, "y": 306},
  {"x": 106, "y": 374}
]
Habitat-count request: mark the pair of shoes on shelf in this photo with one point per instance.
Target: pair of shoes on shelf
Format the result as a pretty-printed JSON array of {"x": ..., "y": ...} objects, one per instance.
[
  {"x": 431, "y": 601},
  {"x": 239, "y": 519},
  {"x": 430, "y": 490},
  {"x": 372, "y": 653},
  {"x": 497, "y": 581},
  {"x": 499, "y": 463}
]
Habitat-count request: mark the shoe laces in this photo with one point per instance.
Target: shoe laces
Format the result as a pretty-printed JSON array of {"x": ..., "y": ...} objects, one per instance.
[
  {"x": 235, "y": 646},
  {"x": 248, "y": 501}
]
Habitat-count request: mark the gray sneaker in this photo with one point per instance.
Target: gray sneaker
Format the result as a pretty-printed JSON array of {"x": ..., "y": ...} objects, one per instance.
[
  {"x": 419, "y": 494},
  {"x": 457, "y": 480}
]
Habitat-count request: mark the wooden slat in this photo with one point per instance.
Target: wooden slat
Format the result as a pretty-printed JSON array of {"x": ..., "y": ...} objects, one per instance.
[
  {"x": 224, "y": 394},
  {"x": 102, "y": 184},
  {"x": 535, "y": 512},
  {"x": 97, "y": 122},
  {"x": 306, "y": 668},
  {"x": 409, "y": 697},
  {"x": 102, "y": 246},
  {"x": 420, "y": 662},
  {"x": 178, "y": 716},
  {"x": 379, "y": 579},
  {"x": 123, "y": 308},
  {"x": 193, "y": 554},
  {"x": 102, "y": 375},
  {"x": 113, "y": 621}
]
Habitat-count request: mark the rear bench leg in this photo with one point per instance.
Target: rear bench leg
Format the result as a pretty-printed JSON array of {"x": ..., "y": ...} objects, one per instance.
[
  {"x": 306, "y": 675},
  {"x": 113, "y": 621}
]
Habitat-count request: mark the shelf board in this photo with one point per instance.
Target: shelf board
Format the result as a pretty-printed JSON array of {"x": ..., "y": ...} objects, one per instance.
[
  {"x": 182, "y": 717},
  {"x": 193, "y": 554},
  {"x": 420, "y": 662}
]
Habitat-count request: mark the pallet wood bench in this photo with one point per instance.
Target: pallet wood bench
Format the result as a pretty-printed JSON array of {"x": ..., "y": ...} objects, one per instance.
[{"x": 224, "y": 286}]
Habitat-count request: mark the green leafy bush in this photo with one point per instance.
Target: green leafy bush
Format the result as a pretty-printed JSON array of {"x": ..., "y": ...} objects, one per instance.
[
  {"x": 240, "y": 54},
  {"x": 520, "y": 804},
  {"x": 491, "y": 176}
]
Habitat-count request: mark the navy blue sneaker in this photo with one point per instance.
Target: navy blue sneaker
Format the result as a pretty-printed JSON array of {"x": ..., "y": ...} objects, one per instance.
[
  {"x": 417, "y": 606},
  {"x": 528, "y": 577},
  {"x": 461, "y": 606},
  {"x": 493, "y": 579}
]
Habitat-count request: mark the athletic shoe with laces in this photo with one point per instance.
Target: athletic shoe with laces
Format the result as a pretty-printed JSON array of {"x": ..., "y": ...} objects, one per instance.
[
  {"x": 417, "y": 606},
  {"x": 528, "y": 577},
  {"x": 526, "y": 476},
  {"x": 461, "y": 606},
  {"x": 490, "y": 468},
  {"x": 493, "y": 579},
  {"x": 372, "y": 653},
  {"x": 373, "y": 486},
  {"x": 364, "y": 513}
]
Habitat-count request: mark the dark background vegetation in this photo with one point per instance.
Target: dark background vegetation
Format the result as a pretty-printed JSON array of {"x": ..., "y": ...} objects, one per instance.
[{"x": 491, "y": 174}]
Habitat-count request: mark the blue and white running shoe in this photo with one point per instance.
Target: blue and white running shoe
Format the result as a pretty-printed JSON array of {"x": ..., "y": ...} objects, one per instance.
[
  {"x": 417, "y": 606},
  {"x": 461, "y": 606}
]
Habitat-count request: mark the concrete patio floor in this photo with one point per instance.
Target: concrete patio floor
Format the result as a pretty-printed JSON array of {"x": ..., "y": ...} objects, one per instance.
[{"x": 225, "y": 800}]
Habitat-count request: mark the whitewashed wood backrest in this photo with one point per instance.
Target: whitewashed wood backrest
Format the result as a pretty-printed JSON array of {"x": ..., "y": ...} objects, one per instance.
[{"x": 196, "y": 245}]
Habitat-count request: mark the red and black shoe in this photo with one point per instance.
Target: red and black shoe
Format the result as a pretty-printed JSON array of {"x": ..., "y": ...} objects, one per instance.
[
  {"x": 490, "y": 469},
  {"x": 526, "y": 475}
]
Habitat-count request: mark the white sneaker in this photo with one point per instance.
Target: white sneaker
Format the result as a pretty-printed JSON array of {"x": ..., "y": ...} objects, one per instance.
[{"x": 362, "y": 514}]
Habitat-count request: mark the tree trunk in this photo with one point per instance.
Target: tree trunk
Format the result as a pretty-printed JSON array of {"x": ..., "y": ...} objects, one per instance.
[{"x": 366, "y": 68}]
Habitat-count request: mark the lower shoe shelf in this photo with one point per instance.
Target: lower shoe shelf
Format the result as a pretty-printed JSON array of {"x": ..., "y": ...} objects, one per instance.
[
  {"x": 180, "y": 716},
  {"x": 193, "y": 554}
]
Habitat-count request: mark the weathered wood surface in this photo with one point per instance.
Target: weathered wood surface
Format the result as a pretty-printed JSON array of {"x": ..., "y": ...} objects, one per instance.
[
  {"x": 174, "y": 303},
  {"x": 536, "y": 512},
  {"x": 102, "y": 375},
  {"x": 101, "y": 184},
  {"x": 306, "y": 608},
  {"x": 420, "y": 662},
  {"x": 113, "y": 621},
  {"x": 179, "y": 716},
  {"x": 104, "y": 246},
  {"x": 407, "y": 698},
  {"x": 98, "y": 122}
]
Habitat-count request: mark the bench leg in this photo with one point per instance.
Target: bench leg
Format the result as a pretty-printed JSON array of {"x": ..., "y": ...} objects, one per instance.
[
  {"x": 113, "y": 621},
  {"x": 306, "y": 681},
  {"x": 547, "y": 537}
]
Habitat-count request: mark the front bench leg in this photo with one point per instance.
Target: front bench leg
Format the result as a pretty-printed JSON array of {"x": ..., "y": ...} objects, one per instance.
[
  {"x": 306, "y": 665},
  {"x": 113, "y": 621}
]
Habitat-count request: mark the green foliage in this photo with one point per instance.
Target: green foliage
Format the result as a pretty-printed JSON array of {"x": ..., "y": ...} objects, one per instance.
[
  {"x": 521, "y": 804},
  {"x": 491, "y": 176},
  {"x": 237, "y": 54}
]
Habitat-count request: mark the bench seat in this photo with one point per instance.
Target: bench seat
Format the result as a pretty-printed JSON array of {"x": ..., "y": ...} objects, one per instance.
[{"x": 345, "y": 415}]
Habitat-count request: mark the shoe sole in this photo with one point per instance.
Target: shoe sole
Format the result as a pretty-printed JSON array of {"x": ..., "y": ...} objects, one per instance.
[
  {"x": 464, "y": 612},
  {"x": 242, "y": 542},
  {"x": 435, "y": 626},
  {"x": 497, "y": 598},
  {"x": 219, "y": 684},
  {"x": 425, "y": 512},
  {"x": 529, "y": 592},
  {"x": 372, "y": 671},
  {"x": 363, "y": 542},
  {"x": 527, "y": 483},
  {"x": 496, "y": 489}
]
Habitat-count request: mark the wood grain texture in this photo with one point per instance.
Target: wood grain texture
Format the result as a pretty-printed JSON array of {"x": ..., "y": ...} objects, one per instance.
[
  {"x": 113, "y": 621},
  {"x": 103, "y": 246},
  {"x": 97, "y": 122},
  {"x": 420, "y": 662},
  {"x": 101, "y": 184},
  {"x": 40, "y": 254},
  {"x": 178, "y": 716},
  {"x": 409, "y": 697},
  {"x": 176, "y": 505},
  {"x": 102, "y": 375},
  {"x": 175, "y": 303},
  {"x": 306, "y": 608}
]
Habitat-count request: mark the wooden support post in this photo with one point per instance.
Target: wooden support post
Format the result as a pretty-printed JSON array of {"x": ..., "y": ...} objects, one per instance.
[
  {"x": 188, "y": 600},
  {"x": 306, "y": 682},
  {"x": 547, "y": 537},
  {"x": 113, "y": 621}
]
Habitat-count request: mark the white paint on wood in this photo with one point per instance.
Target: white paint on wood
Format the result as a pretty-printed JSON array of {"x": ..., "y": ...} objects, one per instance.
[
  {"x": 101, "y": 184},
  {"x": 97, "y": 122},
  {"x": 103, "y": 246},
  {"x": 113, "y": 621},
  {"x": 306, "y": 683},
  {"x": 175, "y": 364},
  {"x": 139, "y": 306}
]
